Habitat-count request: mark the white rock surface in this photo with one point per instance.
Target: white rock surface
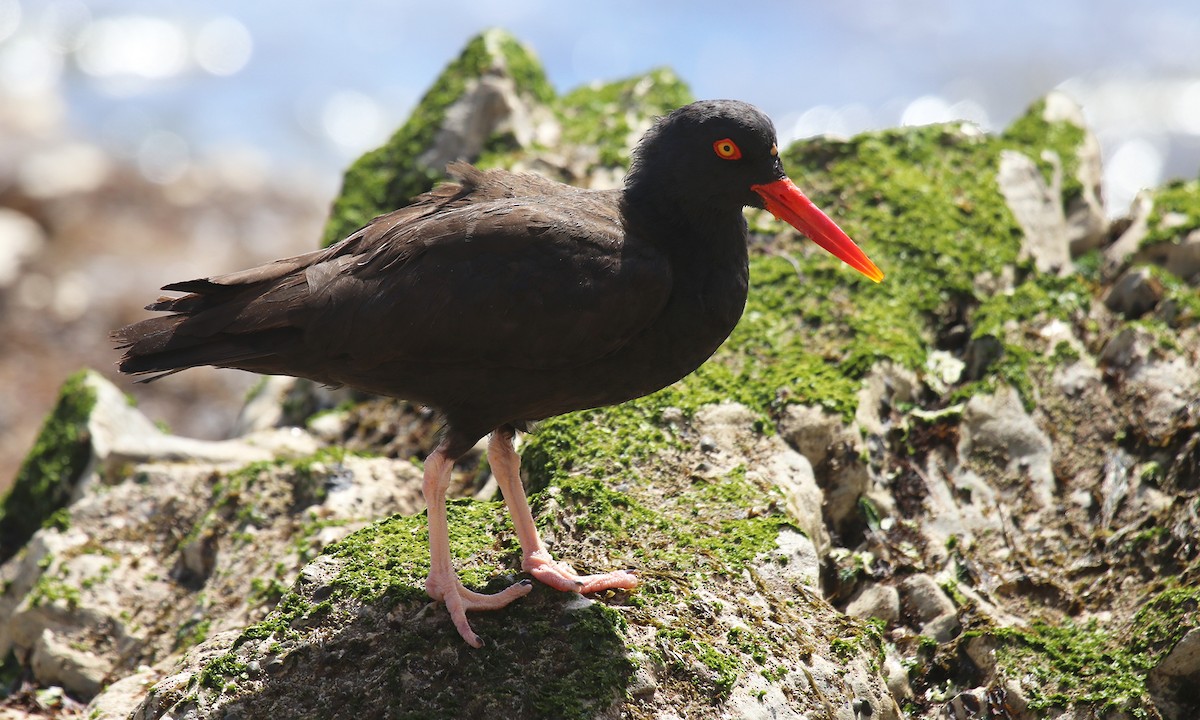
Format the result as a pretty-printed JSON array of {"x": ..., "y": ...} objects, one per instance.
[{"x": 1038, "y": 209}]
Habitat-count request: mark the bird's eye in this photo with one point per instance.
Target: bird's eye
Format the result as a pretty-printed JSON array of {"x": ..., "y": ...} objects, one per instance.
[{"x": 727, "y": 149}]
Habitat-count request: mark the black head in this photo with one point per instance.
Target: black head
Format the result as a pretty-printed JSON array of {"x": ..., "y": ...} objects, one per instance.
[
  {"x": 710, "y": 159},
  {"x": 712, "y": 151}
]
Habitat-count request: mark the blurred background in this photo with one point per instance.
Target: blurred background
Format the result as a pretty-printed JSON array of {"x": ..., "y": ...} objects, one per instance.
[{"x": 145, "y": 141}]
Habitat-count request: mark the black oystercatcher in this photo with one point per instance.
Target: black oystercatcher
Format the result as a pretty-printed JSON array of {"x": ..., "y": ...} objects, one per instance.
[{"x": 507, "y": 298}]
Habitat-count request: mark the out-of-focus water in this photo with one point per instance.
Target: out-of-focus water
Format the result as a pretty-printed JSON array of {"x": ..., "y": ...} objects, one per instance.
[{"x": 301, "y": 88}]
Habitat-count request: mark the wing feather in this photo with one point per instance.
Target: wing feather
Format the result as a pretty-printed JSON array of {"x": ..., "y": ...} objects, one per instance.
[{"x": 499, "y": 270}]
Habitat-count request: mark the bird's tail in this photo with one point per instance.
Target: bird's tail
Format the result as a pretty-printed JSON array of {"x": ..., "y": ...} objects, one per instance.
[{"x": 239, "y": 321}]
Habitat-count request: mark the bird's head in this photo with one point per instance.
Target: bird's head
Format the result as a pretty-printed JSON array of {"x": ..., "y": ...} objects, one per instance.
[{"x": 724, "y": 152}]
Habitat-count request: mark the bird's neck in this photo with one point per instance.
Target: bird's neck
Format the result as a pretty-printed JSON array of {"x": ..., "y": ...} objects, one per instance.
[{"x": 685, "y": 228}]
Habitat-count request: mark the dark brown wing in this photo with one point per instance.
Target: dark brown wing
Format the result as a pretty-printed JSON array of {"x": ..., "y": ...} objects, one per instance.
[
  {"x": 506, "y": 283},
  {"x": 473, "y": 275}
]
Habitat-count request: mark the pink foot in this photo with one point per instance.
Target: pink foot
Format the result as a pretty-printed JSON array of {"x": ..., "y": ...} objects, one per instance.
[
  {"x": 460, "y": 600},
  {"x": 561, "y": 576}
]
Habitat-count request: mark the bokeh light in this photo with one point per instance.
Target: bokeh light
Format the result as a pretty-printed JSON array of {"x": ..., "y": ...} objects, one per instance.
[
  {"x": 10, "y": 18},
  {"x": 223, "y": 46},
  {"x": 353, "y": 120},
  {"x": 136, "y": 46},
  {"x": 309, "y": 90},
  {"x": 1136, "y": 164}
]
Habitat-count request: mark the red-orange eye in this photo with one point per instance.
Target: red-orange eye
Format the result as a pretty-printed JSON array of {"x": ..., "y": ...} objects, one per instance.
[{"x": 727, "y": 149}]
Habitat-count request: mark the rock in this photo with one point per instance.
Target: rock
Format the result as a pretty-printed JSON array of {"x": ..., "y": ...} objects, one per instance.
[
  {"x": 281, "y": 574},
  {"x": 968, "y": 705},
  {"x": 1180, "y": 257},
  {"x": 269, "y": 499},
  {"x": 943, "y": 628},
  {"x": 876, "y": 601},
  {"x": 493, "y": 93},
  {"x": 885, "y": 386},
  {"x": 982, "y": 353},
  {"x": 644, "y": 683},
  {"x": 94, "y": 431},
  {"x": 1184, "y": 659},
  {"x": 490, "y": 105},
  {"x": 760, "y": 700},
  {"x": 813, "y": 432},
  {"x": 981, "y": 649},
  {"x": 897, "y": 678},
  {"x": 929, "y": 607},
  {"x": 1016, "y": 702},
  {"x": 1172, "y": 243},
  {"x": 1117, "y": 256},
  {"x": 55, "y": 661},
  {"x": 1174, "y": 680},
  {"x": 166, "y": 694},
  {"x": 121, "y": 434},
  {"x": 1127, "y": 350},
  {"x": 351, "y": 658},
  {"x": 997, "y": 426},
  {"x": 731, "y": 430},
  {"x": 1038, "y": 209},
  {"x": 286, "y": 401},
  {"x": 1134, "y": 294},
  {"x": 115, "y": 701},
  {"x": 174, "y": 540},
  {"x": 1075, "y": 378},
  {"x": 1087, "y": 222},
  {"x": 1161, "y": 388},
  {"x": 795, "y": 563},
  {"x": 924, "y": 599},
  {"x": 835, "y": 454}
]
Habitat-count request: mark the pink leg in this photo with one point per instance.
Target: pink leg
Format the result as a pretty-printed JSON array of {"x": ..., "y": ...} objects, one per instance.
[
  {"x": 443, "y": 584},
  {"x": 506, "y": 465}
]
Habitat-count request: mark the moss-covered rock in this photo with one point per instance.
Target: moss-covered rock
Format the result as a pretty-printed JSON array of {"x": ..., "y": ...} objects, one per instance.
[
  {"x": 1176, "y": 213},
  {"x": 1105, "y": 668},
  {"x": 357, "y": 637},
  {"x": 1163, "y": 230},
  {"x": 508, "y": 86},
  {"x": 47, "y": 477},
  {"x": 388, "y": 177}
]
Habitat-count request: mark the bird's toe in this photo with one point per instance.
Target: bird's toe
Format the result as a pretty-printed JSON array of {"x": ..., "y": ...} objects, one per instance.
[
  {"x": 459, "y": 601},
  {"x": 561, "y": 576}
]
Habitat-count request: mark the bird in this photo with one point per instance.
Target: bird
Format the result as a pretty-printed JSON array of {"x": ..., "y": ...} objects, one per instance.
[{"x": 500, "y": 299}]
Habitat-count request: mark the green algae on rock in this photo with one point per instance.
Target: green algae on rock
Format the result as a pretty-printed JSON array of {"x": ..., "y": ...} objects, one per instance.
[
  {"x": 371, "y": 583},
  {"x": 606, "y": 116},
  {"x": 1062, "y": 137},
  {"x": 389, "y": 177},
  {"x": 48, "y": 475},
  {"x": 352, "y": 594},
  {"x": 612, "y": 116},
  {"x": 1176, "y": 212},
  {"x": 1101, "y": 667}
]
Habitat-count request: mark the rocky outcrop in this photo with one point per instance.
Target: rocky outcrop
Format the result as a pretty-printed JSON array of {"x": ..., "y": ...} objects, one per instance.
[{"x": 970, "y": 491}]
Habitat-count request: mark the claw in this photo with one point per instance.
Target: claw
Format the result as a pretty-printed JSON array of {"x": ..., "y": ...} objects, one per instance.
[
  {"x": 561, "y": 576},
  {"x": 459, "y": 600}
]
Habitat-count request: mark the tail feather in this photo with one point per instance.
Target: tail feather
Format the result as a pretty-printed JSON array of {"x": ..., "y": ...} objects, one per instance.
[
  {"x": 159, "y": 345},
  {"x": 239, "y": 326},
  {"x": 255, "y": 319}
]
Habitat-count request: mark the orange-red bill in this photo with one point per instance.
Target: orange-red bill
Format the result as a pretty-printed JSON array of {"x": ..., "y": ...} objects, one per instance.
[{"x": 785, "y": 201}]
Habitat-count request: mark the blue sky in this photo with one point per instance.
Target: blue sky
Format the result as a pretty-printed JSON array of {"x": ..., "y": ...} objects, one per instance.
[{"x": 310, "y": 84}]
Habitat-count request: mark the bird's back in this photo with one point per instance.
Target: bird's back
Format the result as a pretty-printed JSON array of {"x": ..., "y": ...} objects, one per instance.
[{"x": 504, "y": 276}]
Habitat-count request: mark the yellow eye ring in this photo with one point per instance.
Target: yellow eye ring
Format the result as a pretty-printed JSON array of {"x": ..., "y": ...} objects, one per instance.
[{"x": 727, "y": 149}]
